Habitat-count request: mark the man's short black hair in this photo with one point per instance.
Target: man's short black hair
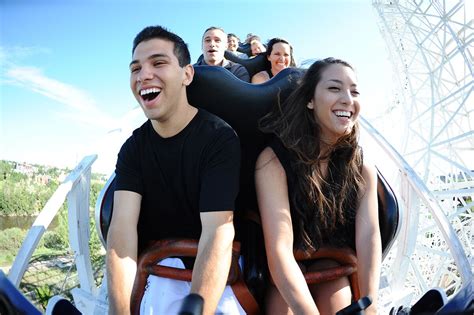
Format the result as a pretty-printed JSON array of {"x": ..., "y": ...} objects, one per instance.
[{"x": 181, "y": 50}]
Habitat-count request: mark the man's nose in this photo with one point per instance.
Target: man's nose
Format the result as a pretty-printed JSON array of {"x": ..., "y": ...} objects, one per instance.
[{"x": 144, "y": 74}]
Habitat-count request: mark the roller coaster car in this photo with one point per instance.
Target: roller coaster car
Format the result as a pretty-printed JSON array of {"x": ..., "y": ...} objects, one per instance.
[{"x": 241, "y": 105}]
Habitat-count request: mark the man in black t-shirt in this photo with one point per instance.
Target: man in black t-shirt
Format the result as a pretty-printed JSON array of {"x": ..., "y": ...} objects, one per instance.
[
  {"x": 176, "y": 176},
  {"x": 214, "y": 45}
]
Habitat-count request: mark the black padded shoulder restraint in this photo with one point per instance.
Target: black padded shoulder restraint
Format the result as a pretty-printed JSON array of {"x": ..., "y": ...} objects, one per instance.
[
  {"x": 253, "y": 65},
  {"x": 239, "y": 103}
]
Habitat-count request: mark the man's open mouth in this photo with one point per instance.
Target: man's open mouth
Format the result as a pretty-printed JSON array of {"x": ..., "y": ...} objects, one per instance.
[{"x": 150, "y": 94}]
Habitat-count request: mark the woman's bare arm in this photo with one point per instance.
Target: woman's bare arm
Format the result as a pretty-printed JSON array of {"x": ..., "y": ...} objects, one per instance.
[{"x": 272, "y": 196}]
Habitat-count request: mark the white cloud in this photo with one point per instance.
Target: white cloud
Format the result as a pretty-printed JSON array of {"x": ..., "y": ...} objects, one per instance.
[
  {"x": 80, "y": 106},
  {"x": 32, "y": 78},
  {"x": 19, "y": 52},
  {"x": 71, "y": 104}
]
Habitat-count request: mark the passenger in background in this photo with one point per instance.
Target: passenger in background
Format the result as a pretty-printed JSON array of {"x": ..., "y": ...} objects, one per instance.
[
  {"x": 256, "y": 46},
  {"x": 232, "y": 44},
  {"x": 314, "y": 188},
  {"x": 214, "y": 44},
  {"x": 280, "y": 55}
]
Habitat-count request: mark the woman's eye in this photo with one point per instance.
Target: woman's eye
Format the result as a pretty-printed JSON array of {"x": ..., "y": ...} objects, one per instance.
[
  {"x": 355, "y": 93},
  {"x": 333, "y": 88}
]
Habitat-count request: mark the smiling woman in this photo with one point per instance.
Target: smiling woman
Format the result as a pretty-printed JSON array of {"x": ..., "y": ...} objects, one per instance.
[
  {"x": 314, "y": 189},
  {"x": 280, "y": 56}
]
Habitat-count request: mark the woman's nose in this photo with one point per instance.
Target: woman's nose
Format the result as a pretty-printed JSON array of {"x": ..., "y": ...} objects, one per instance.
[{"x": 347, "y": 98}]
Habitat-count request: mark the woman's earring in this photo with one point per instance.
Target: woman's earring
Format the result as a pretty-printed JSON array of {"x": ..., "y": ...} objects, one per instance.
[{"x": 310, "y": 105}]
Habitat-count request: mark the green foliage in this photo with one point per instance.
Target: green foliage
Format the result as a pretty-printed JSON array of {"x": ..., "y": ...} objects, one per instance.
[
  {"x": 10, "y": 242},
  {"x": 12, "y": 237},
  {"x": 53, "y": 240},
  {"x": 43, "y": 294},
  {"x": 96, "y": 187},
  {"x": 6, "y": 167},
  {"x": 62, "y": 228},
  {"x": 21, "y": 194}
]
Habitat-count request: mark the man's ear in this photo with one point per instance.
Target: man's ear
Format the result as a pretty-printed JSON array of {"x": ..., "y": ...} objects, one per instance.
[
  {"x": 188, "y": 74},
  {"x": 310, "y": 105}
]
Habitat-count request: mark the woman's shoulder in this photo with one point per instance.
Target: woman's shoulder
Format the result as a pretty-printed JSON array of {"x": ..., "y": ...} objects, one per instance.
[
  {"x": 265, "y": 157},
  {"x": 260, "y": 77},
  {"x": 369, "y": 171},
  {"x": 269, "y": 160}
]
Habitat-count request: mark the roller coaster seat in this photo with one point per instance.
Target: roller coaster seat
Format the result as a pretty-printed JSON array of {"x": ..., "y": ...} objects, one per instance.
[{"x": 241, "y": 105}]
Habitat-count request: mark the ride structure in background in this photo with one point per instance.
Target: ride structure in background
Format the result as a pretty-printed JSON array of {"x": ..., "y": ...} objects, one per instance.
[{"x": 430, "y": 45}]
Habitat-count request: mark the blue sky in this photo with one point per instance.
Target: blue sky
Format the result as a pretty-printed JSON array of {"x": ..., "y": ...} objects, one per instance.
[{"x": 64, "y": 78}]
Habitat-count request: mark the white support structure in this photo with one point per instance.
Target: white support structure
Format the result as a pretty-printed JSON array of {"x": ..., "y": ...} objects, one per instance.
[
  {"x": 413, "y": 195},
  {"x": 79, "y": 230},
  {"x": 430, "y": 44},
  {"x": 75, "y": 184}
]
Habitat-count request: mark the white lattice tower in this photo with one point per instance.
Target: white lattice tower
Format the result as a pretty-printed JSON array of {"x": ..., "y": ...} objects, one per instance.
[{"x": 430, "y": 45}]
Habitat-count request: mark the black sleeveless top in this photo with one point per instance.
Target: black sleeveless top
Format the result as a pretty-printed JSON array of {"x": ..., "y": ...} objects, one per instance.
[
  {"x": 344, "y": 234},
  {"x": 269, "y": 71}
]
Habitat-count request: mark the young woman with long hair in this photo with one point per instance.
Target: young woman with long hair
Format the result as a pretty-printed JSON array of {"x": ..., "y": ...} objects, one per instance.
[{"x": 315, "y": 189}]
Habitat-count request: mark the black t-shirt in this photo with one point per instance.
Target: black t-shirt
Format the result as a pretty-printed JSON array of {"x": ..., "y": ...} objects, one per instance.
[{"x": 195, "y": 171}]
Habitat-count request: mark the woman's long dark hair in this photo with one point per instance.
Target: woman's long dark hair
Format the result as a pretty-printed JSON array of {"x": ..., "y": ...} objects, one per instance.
[{"x": 321, "y": 204}]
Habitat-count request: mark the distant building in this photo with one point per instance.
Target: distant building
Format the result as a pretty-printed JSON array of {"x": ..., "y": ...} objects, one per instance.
[
  {"x": 25, "y": 168},
  {"x": 43, "y": 179}
]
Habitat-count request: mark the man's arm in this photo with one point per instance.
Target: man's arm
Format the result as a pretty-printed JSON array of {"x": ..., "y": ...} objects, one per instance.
[
  {"x": 212, "y": 265},
  {"x": 122, "y": 246}
]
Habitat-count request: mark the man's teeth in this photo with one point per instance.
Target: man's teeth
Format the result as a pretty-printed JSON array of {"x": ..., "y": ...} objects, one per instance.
[
  {"x": 150, "y": 90},
  {"x": 341, "y": 113}
]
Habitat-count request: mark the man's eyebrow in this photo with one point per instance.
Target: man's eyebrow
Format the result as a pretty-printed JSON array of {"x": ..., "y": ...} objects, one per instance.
[{"x": 135, "y": 61}]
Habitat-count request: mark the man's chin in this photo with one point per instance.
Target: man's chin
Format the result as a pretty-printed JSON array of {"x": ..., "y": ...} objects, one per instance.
[{"x": 213, "y": 60}]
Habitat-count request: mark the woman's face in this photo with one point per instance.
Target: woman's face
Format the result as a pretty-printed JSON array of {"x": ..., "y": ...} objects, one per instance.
[
  {"x": 280, "y": 57},
  {"x": 335, "y": 102}
]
